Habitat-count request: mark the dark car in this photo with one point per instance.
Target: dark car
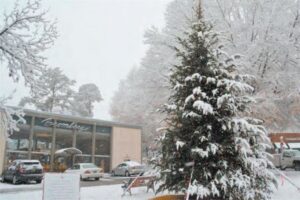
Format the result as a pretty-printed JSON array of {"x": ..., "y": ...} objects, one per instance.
[{"x": 23, "y": 171}]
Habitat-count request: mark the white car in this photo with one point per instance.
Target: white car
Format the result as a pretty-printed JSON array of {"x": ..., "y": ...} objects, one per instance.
[{"x": 86, "y": 171}]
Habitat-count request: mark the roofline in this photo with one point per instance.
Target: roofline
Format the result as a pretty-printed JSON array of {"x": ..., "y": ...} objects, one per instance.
[{"x": 87, "y": 120}]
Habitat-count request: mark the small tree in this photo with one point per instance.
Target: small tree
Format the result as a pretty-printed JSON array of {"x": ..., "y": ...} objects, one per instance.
[
  {"x": 53, "y": 91},
  {"x": 205, "y": 127},
  {"x": 84, "y": 100}
]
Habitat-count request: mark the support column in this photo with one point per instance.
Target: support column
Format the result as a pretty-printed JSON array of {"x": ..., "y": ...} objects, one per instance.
[
  {"x": 31, "y": 137},
  {"x": 74, "y": 138},
  {"x": 93, "y": 143},
  {"x": 74, "y": 144},
  {"x": 111, "y": 148},
  {"x": 53, "y": 147}
]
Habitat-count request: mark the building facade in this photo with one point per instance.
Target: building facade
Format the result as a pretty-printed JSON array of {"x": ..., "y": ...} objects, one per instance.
[{"x": 45, "y": 134}]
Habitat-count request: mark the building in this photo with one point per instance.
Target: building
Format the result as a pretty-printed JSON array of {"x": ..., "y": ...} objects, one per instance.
[
  {"x": 46, "y": 136},
  {"x": 285, "y": 140}
]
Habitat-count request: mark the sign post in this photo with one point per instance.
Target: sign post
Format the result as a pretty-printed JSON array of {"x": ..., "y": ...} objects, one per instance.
[{"x": 58, "y": 186}]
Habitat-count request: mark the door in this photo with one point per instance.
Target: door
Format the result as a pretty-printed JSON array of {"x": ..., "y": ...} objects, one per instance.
[
  {"x": 120, "y": 170},
  {"x": 287, "y": 160},
  {"x": 11, "y": 171}
]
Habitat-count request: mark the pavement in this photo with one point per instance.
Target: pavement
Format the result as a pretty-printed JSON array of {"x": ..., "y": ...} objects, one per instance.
[{"x": 32, "y": 186}]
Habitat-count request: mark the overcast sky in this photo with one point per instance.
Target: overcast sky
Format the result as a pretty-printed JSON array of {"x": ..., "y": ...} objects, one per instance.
[{"x": 99, "y": 42}]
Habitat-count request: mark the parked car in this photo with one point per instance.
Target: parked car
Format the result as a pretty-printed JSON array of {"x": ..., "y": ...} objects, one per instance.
[
  {"x": 287, "y": 159},
  {"x": 86, "y": 171},
  {"x": 128, "y": 168},
  {"x": 23, "y": 171}
]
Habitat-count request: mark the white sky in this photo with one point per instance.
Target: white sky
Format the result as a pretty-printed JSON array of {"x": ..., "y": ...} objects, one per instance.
[{"x": 99, "y": 42}]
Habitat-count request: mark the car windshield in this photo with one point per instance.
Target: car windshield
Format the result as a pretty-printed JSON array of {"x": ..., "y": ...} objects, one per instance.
[
  {"x": 76, "y": 167},
  {"x": 85, "y": 166}
]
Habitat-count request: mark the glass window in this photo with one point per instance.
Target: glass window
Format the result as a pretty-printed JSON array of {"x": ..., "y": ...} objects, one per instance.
[
  {"x": 19, "y": 140},
  {"x": 11, "y": 156},
  {"x": 83, "y": 159},
  {"x": 42, "y": 139},
  {"x": 91, "y": 165},
  {"x": 84, "y": 142},
  {"x": 64, "y": 138},
  {"x": 102, "y": 144},
  {"x": 44, "y": 160},
  {"x": 85, "y": 127},
  {"x": 286, "y": 154},
  {"x": 76, "y": 167},
  {"x": 103, "y": 129},
  {"x": 103, "y": 162}
]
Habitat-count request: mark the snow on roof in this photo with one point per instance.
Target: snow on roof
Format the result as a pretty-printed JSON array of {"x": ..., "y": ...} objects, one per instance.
[
  {"x": 70, "y": 150},
  {"x": 294, "y": 145}
]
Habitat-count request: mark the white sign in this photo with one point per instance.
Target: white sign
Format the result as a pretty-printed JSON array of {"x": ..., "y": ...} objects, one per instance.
[{"x": 59, "y": 186}]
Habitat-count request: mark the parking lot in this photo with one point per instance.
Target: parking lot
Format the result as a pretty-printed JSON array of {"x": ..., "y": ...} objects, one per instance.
[{"x": 106, "y": 180}]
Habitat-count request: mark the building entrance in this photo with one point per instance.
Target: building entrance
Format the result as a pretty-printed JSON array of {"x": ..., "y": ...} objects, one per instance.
[{"x": 65, "y": 158}]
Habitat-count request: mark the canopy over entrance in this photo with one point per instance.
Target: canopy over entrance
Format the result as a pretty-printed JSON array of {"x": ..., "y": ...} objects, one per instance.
[{"x": 68, "y": 152}]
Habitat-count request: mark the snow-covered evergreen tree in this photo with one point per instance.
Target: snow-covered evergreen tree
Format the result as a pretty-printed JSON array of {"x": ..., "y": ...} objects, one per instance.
[
  {"x": 205, "y": 126},
  {"x": 84, "y": 99},
  {"x": 52, "y": 93}
]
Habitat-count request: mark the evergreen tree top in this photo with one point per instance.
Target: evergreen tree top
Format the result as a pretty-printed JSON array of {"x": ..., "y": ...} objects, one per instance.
[{"x": 205, "y": 126}]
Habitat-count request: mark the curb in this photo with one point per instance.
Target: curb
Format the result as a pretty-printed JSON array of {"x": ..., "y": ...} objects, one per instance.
[{"x": 15, "y": 190}]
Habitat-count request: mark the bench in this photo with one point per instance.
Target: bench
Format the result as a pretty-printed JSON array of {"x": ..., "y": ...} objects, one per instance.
[{"x": 139, "y": 181}]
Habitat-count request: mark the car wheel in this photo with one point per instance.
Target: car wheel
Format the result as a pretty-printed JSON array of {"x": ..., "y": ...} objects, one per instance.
[
  {"x": 97, "y": 179},
  {"x": 127, "y": 173},
  {"x": 2, "y": 179},
  {"x": 38, "y": 181},
  {"x": 14, "y": 180},
  {"x": 82, "y": 179},
  {"x": 282, "y": 168},
  {"x": 297, "y": 166}
]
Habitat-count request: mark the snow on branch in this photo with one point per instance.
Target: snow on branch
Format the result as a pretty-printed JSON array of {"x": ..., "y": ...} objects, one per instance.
[
  {"x": 204, "y": 107},
  {"x": 24, "y": 34},
  {"x": 10, "y": 117},
  {"x": 235, "y": 86}
]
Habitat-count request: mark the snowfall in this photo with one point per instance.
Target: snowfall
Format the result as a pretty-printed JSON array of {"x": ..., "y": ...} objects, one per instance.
[{"x": 111, "y": 192}]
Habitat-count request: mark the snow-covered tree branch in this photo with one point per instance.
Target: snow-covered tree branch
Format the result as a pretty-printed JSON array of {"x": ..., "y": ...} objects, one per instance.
[{"x": 25, "y": 34}]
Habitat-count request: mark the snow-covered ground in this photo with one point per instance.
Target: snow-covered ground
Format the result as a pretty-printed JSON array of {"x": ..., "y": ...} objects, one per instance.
[
  {"x": 114, "y": 192},
  {"x": 110, "y": 192}
]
